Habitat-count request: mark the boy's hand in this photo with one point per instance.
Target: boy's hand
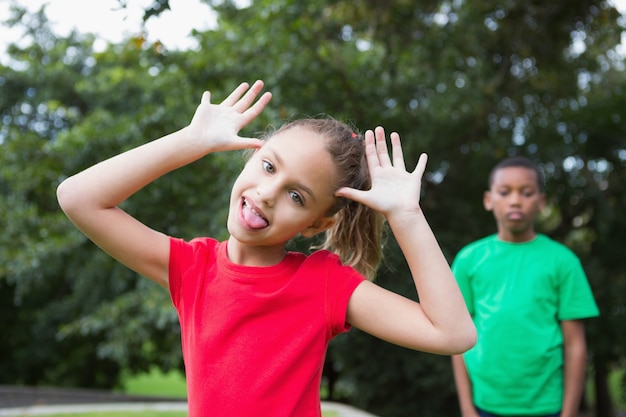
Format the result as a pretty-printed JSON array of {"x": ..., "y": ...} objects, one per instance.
[
  {"x": 394, "y": 190},
  {"x": 217, "y": 125}
]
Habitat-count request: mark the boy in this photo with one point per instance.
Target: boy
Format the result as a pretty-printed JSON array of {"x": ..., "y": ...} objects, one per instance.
[{"x": 527, "y": 295}]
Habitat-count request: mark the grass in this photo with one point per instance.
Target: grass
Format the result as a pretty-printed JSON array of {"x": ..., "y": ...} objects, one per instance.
[
  {"x": 124, "y": 413},
  {"x": 172, "y": 384},
  {"x": 147, "y": 414},
  {"x": 157, "y": 383}
]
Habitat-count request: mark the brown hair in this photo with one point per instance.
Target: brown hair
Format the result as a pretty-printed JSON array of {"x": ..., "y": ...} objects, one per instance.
[{"x": 357, "y": 234}]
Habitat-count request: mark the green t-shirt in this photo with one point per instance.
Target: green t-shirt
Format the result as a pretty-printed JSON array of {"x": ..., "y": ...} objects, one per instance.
[{"x": 517, "y": 294}]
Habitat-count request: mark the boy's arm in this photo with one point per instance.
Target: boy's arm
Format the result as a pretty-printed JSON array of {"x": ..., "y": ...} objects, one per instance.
[
  {"x": 575, "y": 363},
  {"x": 463, "y": 387},
  {"x": 90, "y": 198},
  {"x": 440, "y": 322}
]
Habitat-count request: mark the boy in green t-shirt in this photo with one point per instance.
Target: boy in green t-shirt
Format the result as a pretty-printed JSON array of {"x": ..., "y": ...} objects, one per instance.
[{"x": 527, "y": 295}]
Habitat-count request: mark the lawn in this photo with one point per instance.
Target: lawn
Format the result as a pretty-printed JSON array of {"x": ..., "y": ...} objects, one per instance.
[
  {"x": 124, "y": 413},
  {"x": 172, "y": 384},
  {"x": 147, "y": 414},
  {"x": 157, "y": 383}
]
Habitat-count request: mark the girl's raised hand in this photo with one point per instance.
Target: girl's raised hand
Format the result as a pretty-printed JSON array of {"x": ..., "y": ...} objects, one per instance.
[
  {"x": 394, "y": 190},
  {"x": 217, "y": 125}
]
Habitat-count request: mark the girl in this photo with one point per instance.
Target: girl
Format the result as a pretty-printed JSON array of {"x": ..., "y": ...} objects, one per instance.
[{"x": 255, "y": 318}]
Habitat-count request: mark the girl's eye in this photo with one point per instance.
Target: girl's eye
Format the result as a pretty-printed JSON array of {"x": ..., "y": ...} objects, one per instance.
[
  {"x": 296, "y": 197},
  {"x": 268, "y": 167}
]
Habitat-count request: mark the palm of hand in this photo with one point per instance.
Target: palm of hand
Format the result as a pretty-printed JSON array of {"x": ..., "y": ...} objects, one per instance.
[
  {"x": 218, "y": 124},
  {"x": 394, "y": 189}
]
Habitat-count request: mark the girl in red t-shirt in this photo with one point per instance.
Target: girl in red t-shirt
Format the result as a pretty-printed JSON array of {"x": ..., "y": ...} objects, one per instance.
[{"x": 311, "y": 176}]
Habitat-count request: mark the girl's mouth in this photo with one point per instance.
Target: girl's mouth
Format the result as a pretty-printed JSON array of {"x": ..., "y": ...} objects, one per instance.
[{"x": 251, "y": 216}]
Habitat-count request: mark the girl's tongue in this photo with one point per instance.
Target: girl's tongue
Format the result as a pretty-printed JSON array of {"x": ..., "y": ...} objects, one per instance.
[{"x": 252, "y": 218}]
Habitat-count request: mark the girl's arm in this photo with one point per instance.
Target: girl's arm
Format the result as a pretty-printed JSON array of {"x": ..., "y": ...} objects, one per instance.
[
  {"x": 90, "y": 198},
  {"x": 440, "y": 322}
]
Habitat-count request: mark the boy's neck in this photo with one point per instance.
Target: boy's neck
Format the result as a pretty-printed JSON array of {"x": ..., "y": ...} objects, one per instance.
[{"x": 507, "y": 236}]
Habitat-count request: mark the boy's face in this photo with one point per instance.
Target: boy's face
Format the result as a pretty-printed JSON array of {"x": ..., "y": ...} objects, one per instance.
[{"x": 515, "y": 200}]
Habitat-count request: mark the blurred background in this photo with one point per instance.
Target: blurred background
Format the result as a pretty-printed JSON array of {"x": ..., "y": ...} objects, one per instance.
[{"x": 467, "y": 81}]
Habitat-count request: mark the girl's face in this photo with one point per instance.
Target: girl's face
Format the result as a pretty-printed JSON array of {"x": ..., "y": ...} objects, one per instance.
[
  {"x": 285, "y": 189},
  {"x": 515, "y": 200}
]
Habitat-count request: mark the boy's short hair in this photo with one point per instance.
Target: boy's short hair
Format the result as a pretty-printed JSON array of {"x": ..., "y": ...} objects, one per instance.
[{"x": 518, "y": 161}]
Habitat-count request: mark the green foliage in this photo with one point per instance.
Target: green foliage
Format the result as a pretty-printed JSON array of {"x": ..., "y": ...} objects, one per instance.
[{"x": 467, "y": 82}]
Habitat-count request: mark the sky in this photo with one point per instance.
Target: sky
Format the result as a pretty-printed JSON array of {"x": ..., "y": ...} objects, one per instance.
[{"x": 110, "y": 23}]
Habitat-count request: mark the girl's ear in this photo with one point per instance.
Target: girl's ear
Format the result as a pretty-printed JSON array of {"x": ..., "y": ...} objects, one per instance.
[{"x": 320, "y": 225}]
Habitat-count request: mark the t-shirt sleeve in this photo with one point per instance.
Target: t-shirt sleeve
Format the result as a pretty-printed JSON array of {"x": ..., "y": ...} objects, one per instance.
[
  {"x": 341, "y": 281},
  {"x": 576, "y": 299},
  {"x": 460, "y": 269},
  {"x": 179, "y": 252},
  {"x": 186, "y": 258}
]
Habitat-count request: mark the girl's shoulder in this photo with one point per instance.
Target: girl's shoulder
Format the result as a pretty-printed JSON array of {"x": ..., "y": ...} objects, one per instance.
[
  {"x": 200, "y": 241},
  {"x": 323, "y": 256},
  {"x": 325, "y": 260},
  {"x": 181, "y": 248}
]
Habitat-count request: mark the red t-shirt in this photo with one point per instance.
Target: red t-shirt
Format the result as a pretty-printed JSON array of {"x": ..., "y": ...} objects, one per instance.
[{"x": 254, "y": 339}]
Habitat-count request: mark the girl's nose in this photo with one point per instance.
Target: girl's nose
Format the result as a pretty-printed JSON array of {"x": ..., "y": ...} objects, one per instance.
[{"x": 266, "y": 193}]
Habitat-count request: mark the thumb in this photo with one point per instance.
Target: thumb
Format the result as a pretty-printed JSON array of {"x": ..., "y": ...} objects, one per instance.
[
  {"x": 351, "y": 194},
  {"x": 244, "y": 142}
]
